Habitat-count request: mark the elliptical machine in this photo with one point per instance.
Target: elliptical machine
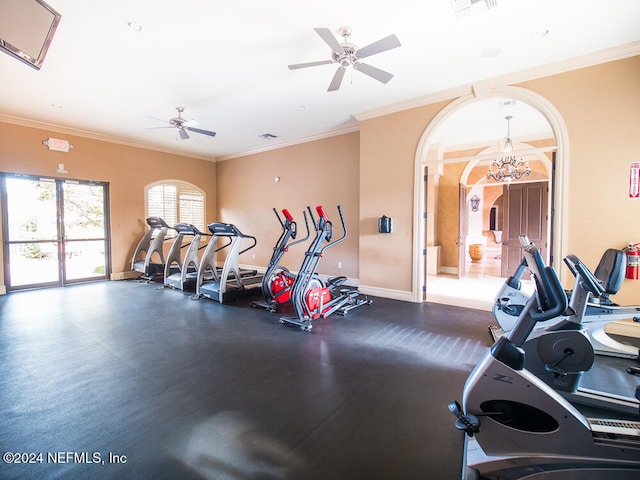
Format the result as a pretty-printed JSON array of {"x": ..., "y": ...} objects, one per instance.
[
  {"x": 312, "y": 297},
  {"x": 278, "y": 281},
  {"x": 519, "y": 427}
]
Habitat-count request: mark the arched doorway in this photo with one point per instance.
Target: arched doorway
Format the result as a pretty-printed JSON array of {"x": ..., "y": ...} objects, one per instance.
[{"x": 432, "y": 165}]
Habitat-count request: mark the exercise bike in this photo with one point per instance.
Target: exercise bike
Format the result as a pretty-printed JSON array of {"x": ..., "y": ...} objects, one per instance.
[
  {"x": 311, "y": 296},
  {"x": 599, "y": 311},
  {"x": 518, "y": 427},
  {"x": 562, "y": 354},
  {"x": 278, "y": 281}
]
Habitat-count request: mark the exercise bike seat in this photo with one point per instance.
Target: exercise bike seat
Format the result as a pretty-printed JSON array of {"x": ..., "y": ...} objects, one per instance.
[{"x": 610, "y": 272}]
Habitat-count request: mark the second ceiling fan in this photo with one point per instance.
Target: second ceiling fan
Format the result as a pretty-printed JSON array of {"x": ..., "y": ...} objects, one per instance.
[
  {"x": 347, "y": 54},
  {"x": 182, "y": 124}
]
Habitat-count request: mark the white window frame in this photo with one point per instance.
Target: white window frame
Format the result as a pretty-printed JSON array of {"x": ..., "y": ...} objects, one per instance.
[{"x": 176, "y": 209}]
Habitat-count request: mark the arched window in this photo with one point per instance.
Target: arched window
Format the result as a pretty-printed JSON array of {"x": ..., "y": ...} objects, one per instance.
[{"x": 176, "y": 201}]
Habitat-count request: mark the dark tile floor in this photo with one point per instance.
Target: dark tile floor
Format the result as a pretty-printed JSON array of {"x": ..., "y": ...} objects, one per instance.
[{"x": 128, "y": 380}]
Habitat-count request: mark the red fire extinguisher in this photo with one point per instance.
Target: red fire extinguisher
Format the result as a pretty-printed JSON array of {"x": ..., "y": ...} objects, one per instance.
[{"x": 633, "y": 261}]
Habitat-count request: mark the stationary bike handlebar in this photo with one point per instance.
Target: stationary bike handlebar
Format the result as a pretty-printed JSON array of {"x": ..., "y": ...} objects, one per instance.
[
  {"x": 587, "y": 279},
  {"x": 552, "y": 299},
  {"x": 556, "y": 303}
]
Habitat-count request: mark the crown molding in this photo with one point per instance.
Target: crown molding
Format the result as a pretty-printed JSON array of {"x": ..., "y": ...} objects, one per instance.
[
  {"x": 562, "y": 66},
  {"x": 23, "y": 122},
  {"x": 333, "y": 133}
]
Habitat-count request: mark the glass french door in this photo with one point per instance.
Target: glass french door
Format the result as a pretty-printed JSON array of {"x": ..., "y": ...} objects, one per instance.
[{"x": 55, "y": 231}]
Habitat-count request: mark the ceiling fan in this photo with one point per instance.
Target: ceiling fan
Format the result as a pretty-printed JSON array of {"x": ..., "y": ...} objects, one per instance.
[
  {"x": 183, "y": 125},
  {"x": 347, "y": 54}
]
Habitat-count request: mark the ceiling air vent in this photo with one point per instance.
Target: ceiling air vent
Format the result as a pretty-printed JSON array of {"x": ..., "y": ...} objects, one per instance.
[
  {"x": 469, "y": 8},
  {"x": 268, "y": 136}
]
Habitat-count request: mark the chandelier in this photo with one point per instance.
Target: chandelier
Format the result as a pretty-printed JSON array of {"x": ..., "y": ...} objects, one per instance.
[{"x": 509, "y": 167}]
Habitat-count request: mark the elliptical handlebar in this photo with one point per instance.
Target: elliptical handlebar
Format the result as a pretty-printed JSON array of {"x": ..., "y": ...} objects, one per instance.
[
  {"x": 295, "y": 232},
  {"x": 323, "y": 215}
]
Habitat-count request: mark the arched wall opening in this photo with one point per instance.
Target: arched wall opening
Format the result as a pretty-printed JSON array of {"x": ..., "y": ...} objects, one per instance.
[{"x": 424, "y": 158}]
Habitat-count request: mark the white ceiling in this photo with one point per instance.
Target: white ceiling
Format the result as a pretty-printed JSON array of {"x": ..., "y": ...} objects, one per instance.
[{"x": 226, "y": 64}]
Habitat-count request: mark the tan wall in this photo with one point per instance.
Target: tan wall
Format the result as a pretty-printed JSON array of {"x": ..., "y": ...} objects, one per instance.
[
  {"x": 371, "y": 173},
  {"x": 126, "y": 169},
  {"x": 600, "y": 107},
  {"x": 387, "y": 148},
  {"x": 323, "y": 172}
]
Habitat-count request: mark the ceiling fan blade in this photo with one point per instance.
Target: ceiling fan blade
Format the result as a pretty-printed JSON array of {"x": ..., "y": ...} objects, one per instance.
[
  {"x": 337, "y": 79},
  {"x": 190, "y": 123},
  {"x": 183, "y": 134},
  {"x": 330, "y": 40},
  {"x": 199, "y": 130},
  {"x": 382, "y": 45},
  {"x": 158, "y": 119},
  {"x": 373, "y": 72},
  {"x": 310, "y": 64}
]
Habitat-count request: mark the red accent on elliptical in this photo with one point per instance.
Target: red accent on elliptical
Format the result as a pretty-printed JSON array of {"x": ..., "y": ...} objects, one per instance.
[
  {"x": 322, "y": 213},
  {"x": 287, "y": 215}
]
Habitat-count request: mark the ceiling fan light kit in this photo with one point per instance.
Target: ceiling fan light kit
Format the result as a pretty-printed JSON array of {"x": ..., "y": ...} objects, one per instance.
[{"x": 347, "y": 54}]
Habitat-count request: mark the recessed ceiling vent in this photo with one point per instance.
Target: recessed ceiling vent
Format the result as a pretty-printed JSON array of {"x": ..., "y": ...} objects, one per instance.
[
  {"x": 469, "y": 8},
  {"x": 268, "y": 136}
]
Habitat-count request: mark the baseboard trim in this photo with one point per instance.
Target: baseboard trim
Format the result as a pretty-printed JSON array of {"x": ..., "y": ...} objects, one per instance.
[
  {"x": 128, "y": 275},
  {"x": 449, "y": 270},
  {"x": 387, "y": 293}
]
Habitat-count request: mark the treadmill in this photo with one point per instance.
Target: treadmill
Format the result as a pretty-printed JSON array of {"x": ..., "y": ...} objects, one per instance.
[
  {"x": 230, "y": 282},
  {"x": 180, "y": 271}
]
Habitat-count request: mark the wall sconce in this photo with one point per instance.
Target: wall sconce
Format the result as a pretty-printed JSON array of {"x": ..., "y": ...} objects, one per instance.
[{"x": 475, "y": 203}]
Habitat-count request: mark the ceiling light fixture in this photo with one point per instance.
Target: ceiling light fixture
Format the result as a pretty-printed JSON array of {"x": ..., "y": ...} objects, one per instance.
[
  {"x": 509, "y": 167},
  {"x": 136, "y": 27}
]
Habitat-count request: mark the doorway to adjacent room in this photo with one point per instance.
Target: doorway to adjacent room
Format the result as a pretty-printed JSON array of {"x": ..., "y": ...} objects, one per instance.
[{"x": 471, "y": 221}]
